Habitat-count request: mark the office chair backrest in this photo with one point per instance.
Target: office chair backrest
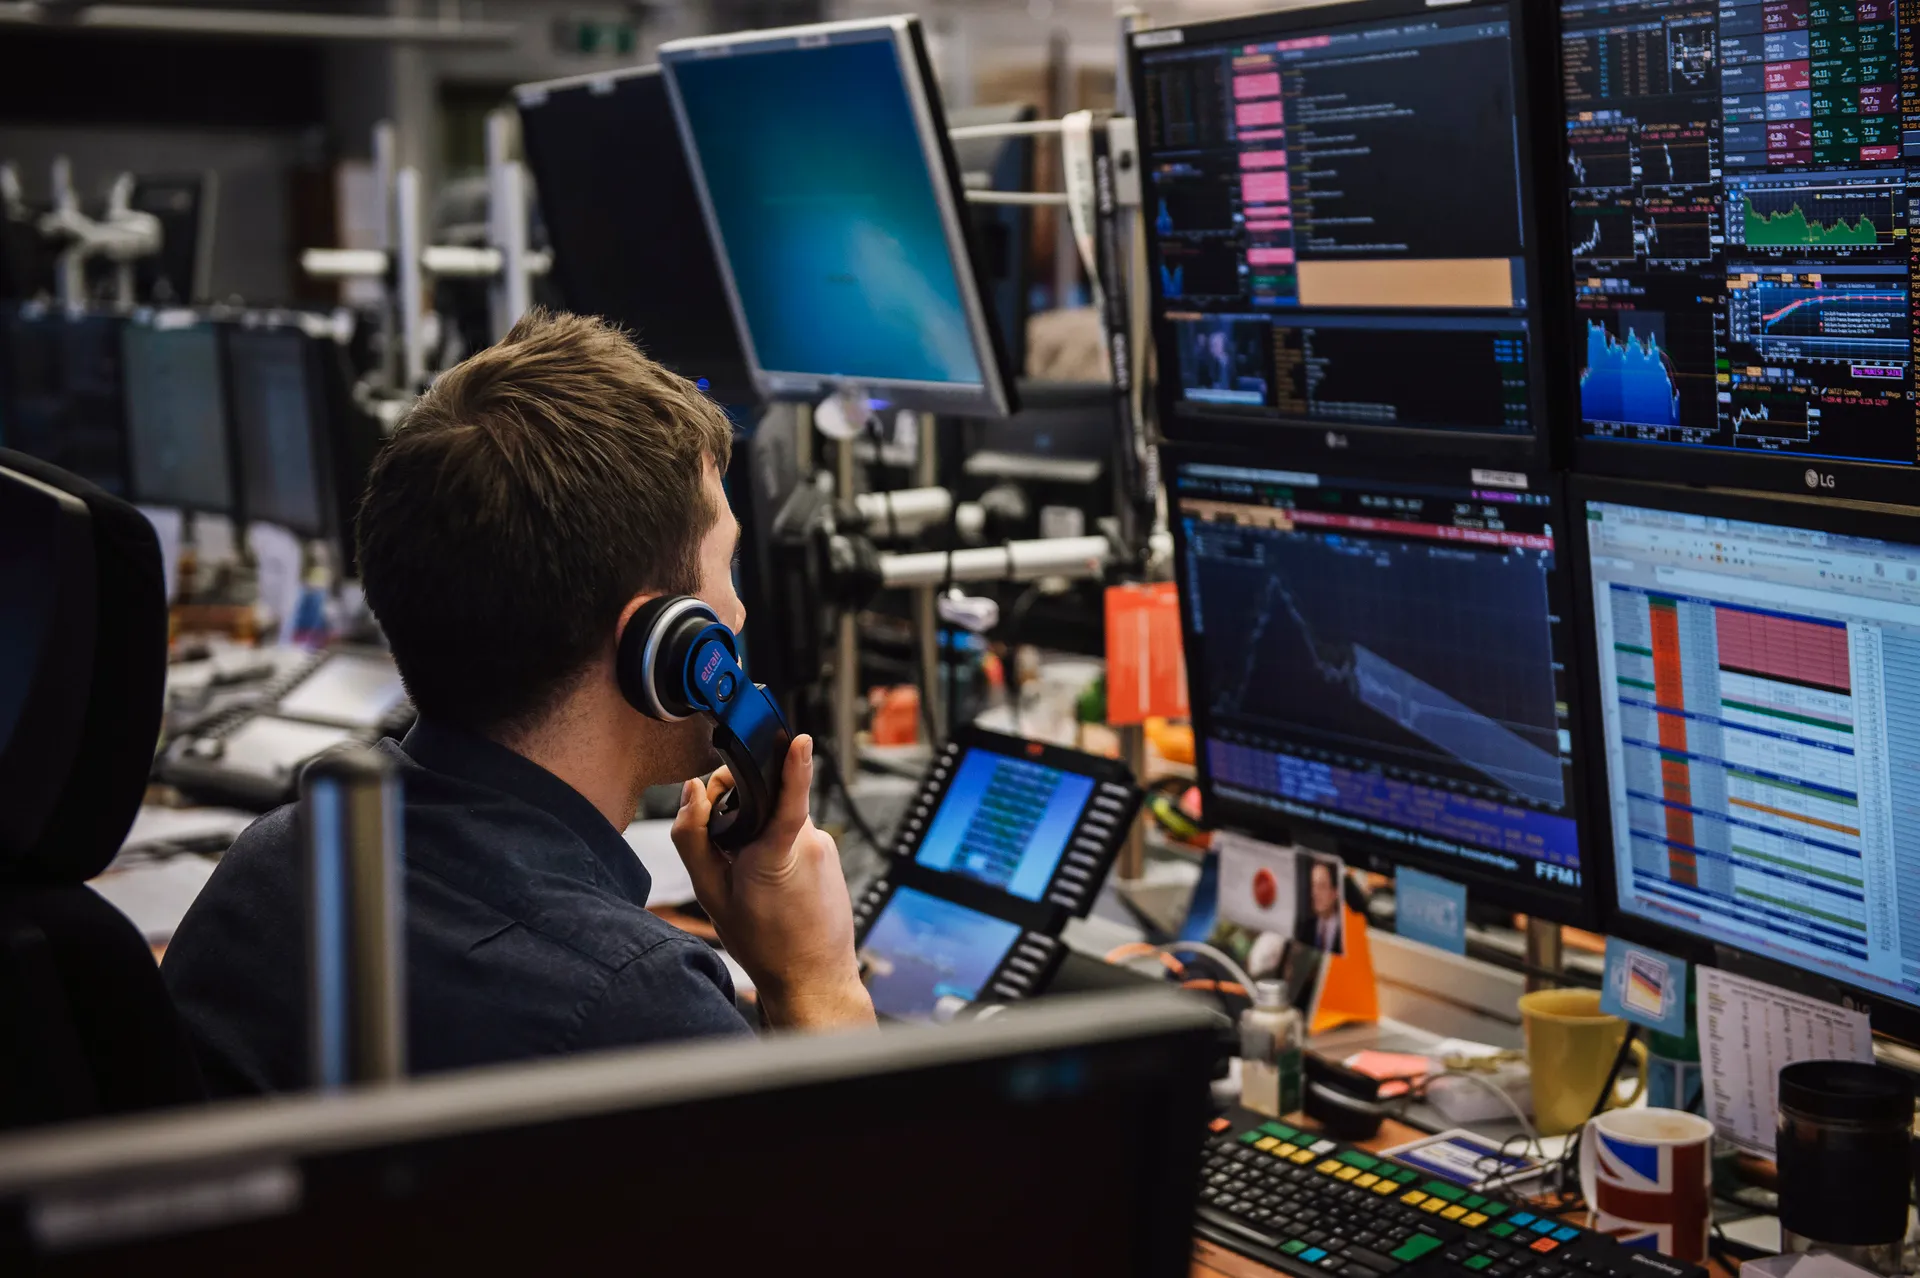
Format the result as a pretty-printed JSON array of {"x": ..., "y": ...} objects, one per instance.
[{"x": 85, "y": 1023}]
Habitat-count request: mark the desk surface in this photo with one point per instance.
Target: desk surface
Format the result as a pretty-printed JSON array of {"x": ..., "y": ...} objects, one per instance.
[{"x": 1211, "y": 1261}]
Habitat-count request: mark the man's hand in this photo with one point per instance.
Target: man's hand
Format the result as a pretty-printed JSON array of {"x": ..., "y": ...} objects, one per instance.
[{"x": 780, "y": 905}]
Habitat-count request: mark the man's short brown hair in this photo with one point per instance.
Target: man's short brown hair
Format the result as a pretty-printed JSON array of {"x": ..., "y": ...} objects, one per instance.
[{"x": 532, "y": 492}]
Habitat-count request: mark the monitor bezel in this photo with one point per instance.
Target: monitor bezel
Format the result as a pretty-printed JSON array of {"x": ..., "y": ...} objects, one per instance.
[
  {"x": 113, "y": 323},
  {"x": 321, "y": 454},
  {"x": 1309, "y": 441},
  {"x": 734, "y": 383},
  {"x": 994, "y": 395},
  {"x": 1856, "y": 519},
  {"x": 1578, "y": 906},
  {"x": 150, "y": 318}
]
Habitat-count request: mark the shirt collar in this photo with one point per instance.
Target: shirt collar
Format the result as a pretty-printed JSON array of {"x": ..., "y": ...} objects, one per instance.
[{"x": 475, "y": 759}]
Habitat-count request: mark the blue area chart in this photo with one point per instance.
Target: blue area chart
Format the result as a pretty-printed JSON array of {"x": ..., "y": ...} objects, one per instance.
[{"x": 1627, "y": 381}]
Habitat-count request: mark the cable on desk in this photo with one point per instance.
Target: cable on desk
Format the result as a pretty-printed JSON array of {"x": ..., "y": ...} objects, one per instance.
[
  {"x": 875, "y": 434},
  {"x": 1226, "y": 962},
  {"x": 838, "y": 781}
]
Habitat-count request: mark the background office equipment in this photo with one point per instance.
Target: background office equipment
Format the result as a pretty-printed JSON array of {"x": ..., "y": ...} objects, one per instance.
[
  {"x": 1315, "y": 218},
  {"x": 508, "y": 1170},
  {"x": 181, "y": 272},
  {"x": 1739, "y": 231},
  {"x": 281, "y": 428},
  {"x": 1005, "y": 842},
  {"x": 61, "y": 391},
  {"x": 251, "y": 757},
  {"x": 1755, "y": 676},
  {"x": 179, "y": 427},
  {"x": 839, "y": 129},
  {"x": 1384, "y": 663},
  {"x": 629, "y": 240},
  {"x": 1002, "y": 233}
]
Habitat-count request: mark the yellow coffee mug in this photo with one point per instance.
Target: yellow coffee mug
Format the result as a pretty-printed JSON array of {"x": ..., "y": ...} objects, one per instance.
[{"x": 1571, "y": 1047}]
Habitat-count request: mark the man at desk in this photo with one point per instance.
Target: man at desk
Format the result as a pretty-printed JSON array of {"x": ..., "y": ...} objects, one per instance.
[{"x": 533, "y": 501}]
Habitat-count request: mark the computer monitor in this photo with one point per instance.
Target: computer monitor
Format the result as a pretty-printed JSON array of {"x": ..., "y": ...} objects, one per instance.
[
  {"x": 1383, "y": 663},
  {"x": 1002, "y": 233},
  {"x": 60, "y": 392},
  {"x": 279, "y": 421},
  {"x": 1737, "y": 207},
  {"x": 1054, "y": 1139},
  {"x": 177, "y": 423},
  {"x": 1757, "y": 667},
  {"x": 629, "y": 240},
  {"x": 181, "y": 273},
  {"x": 831, "y": 191},
  {"x": 1345, "y": 253}
]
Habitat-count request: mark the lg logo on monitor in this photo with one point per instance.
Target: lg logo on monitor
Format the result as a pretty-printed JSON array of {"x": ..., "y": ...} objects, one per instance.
[{"x": 1816, "y": 480}]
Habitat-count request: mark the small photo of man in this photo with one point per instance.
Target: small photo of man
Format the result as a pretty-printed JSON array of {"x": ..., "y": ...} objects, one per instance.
[{"x": 1319, "y": 921}]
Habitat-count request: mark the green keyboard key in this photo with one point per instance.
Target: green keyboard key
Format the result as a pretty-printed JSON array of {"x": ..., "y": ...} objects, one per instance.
[
  {"x": 1452, "y": 1193},
  {"x": 1354, "y": 1158},
  {"x": 1500, "y": 1230},
  {"x": 1416, "y": 1247},
  {"x": 1495, "y": 1209},
  {"x": 1405, "y": 1175},
  {"x": 1474, "y": 1201},
  {"x": 1293, "y": 1248},
  {"x": 1478, "y": 1262},
  {"x": 1281, "y": 1130},
  {"x": 1249, "y": 1138}
]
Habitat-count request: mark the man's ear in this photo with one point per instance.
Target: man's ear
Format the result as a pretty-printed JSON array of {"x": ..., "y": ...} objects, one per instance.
[{"x": 634, "y": 605}]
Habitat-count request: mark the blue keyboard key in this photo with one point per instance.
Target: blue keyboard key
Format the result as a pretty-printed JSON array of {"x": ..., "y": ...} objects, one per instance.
[
  {"x": 1521, "y": 1218},
  {"x": 1313, "y": 1254},
  {"x": 1565, "y": 1235}
]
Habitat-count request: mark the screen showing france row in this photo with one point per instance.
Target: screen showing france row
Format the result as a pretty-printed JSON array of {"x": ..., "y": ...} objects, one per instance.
[
  {"x": 1339, "y": 215},
  {"x": 1760, "y": 691},
  {"x": 1739, "y": 220}
]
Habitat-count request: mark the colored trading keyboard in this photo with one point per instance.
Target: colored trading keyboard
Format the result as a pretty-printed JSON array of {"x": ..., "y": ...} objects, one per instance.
[{"x": 1313, "y": 1207}]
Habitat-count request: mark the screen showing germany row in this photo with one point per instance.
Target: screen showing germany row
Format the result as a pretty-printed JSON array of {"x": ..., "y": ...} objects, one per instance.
[
  {"x": 1738, "y": 220},
  {"x": 1339, "y": 222},
  {"x": 1383, "y": 659}
]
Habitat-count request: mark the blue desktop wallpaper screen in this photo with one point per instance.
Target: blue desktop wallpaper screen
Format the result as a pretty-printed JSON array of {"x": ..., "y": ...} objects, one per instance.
[
  {"x": 1005, "y": 822},
  {"x": 828, "y": 212}
]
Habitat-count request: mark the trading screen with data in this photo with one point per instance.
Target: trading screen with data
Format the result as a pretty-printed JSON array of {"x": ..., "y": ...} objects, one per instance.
[
  {"x": 1738, "y": 218},
  {"x": 1330, "y": 203},
  {"x": 1760, "y": 695},
  {"x": 1383, "y": 659}
]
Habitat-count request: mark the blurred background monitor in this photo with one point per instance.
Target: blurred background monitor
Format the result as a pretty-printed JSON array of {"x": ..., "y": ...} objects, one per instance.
[
  {"x": 279, "y": 420},
  {"x": 832, "y": 192},
  {"x": 629, "y": 241},
  {"x": 1002, "y": 233},
  {"x": 181, "y": 273},
  {"x": 177, "y": 420},
  {"x": 60, "y": 392}
]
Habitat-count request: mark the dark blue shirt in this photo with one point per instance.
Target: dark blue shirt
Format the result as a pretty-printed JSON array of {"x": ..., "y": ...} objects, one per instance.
[{"x": 527, "y": 932}]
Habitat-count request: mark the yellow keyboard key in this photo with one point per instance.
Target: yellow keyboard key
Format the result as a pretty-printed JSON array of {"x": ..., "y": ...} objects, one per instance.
[
  {"x": 1453, "y": 1213},
  {"x": 1287, "y": 1151},
  {"x": 1346, "y": 1173},
  {"x": 1367, "y": 1181},
  {"x": 1386, "y": 1187},
  {"x": 1413, "y": 1198},
  {"x": 1474, "y": 1221},
  {"x": 1266, "y": 1143},
  {"x": 1328, "y": 1167},
  {"x": 1434, "y": 1205},
  {"x": 1304, "y": 1157}
]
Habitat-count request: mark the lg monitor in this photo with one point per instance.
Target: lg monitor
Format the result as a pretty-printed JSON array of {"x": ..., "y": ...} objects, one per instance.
[
  {"x": 181, "y": 273},
  {"x": 831, "y": 191},
  {"x": 1050, "y": 1140},
  {"x": 1383, "y": 664},
  {"x": 1757, "y": 670},
  {"x": 629, "y": 240},
  {"x": 61, "y": 392},
  {"x": 1344, "y": 248},
  {"x": 1736, "y": 200},
  {"x": 177, "y": 419},
  {"x": 280, "y": 428}
]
